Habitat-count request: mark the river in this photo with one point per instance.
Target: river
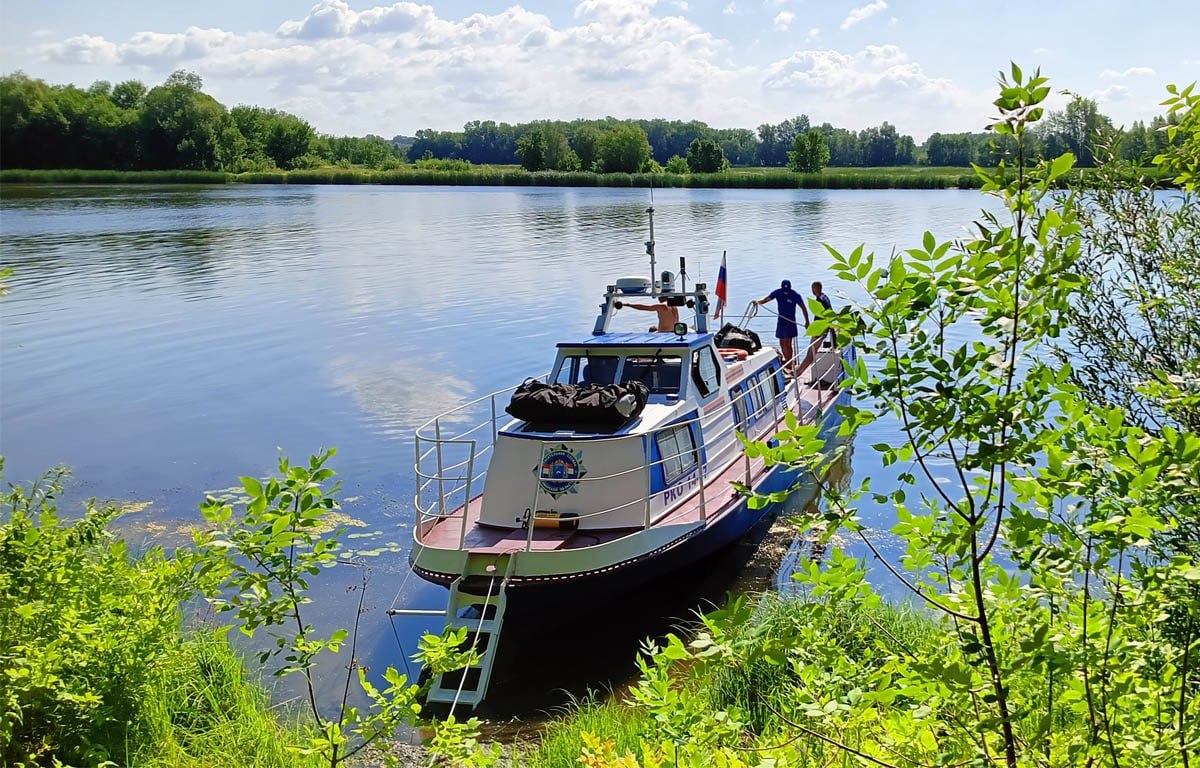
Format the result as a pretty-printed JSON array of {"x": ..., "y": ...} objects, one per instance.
[{"x": 162, "y": 341}]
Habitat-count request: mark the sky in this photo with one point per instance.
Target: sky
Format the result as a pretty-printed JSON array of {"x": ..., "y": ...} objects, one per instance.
[{"x": 353, "y": 67}]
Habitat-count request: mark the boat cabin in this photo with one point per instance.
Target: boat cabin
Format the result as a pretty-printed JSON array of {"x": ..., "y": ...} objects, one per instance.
[{"x": 629, "y": 474}]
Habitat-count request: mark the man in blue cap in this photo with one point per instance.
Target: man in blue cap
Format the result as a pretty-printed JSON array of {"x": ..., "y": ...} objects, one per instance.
[{"x": 785, "y": 327}]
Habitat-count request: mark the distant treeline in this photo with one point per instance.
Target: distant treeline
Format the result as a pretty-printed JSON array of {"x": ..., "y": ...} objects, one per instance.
[{"x": 176, "y": 125}]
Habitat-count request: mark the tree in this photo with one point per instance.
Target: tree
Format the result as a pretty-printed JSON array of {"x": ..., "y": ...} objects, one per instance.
[
  {"x": 1182, "y": 157},
  {"x": 879, "y": 145},
  {"x": 1075, "y": 130},
  {"x": 531, "y": 148},
  {"x": 287, "y": 137},
  {"x": 622, "y": 149},
  {"x": 488, "y": 142},
  {"x": 128, "y": 94},
  {"x": 1136, "y": 144},
  {"x": 809, "y": 153},
  {"x": 179, "y": 125},
  {"x": 439, "y": 144},
  {"x": 845, "y": 149},
  {"x": 1051, "y": 654},
  {"x": 1137, "y": 321},
  {"x": 586, "y": 144},
  {"x": 677, "y": 164},
  {"x": 738, "y": 144},
  {"x": 705, "y": 156}
]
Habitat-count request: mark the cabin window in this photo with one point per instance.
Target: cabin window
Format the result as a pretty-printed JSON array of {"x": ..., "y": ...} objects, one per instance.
[
  {"x": 587, "y": 369},
  {"x": 755, "y": 400},
  {"x": 677, "y": 450},
  {"x": 705, "y": 371},
  {"x": 739, "y": 407},
  {"x": 659, "y": 374}
]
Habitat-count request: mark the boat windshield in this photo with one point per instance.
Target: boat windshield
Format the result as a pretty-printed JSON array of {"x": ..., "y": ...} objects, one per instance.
[
  {"x": 660, "y": 374},
  {"x": 587, "y": 369}
]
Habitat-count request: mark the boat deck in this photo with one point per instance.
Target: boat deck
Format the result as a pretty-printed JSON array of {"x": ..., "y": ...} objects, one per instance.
[{"x": 718, "y": 498}]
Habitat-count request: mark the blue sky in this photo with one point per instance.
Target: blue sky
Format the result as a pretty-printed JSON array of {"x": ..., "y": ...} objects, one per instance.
[{"x": 353, "y": 67}]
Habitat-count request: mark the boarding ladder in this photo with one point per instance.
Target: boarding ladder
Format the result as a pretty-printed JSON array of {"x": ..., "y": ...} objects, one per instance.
[{"x": 477, "y": 601}]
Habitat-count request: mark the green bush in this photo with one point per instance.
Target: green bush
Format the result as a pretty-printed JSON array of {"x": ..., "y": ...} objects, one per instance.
[
  {"x": 308, "y": 161},
  {"x": 442, "y": 164},
  {"x": 83, "y": 628}
]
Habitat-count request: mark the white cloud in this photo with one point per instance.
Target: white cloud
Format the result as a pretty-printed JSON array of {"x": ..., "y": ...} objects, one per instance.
[
  {"x": 683, "y": 5},
  {"x": 81, "y": 49},
  {"x": 1112, "y": 93},
  {"x": 866, "y": 12},
  {"x": 730, "y": 9},
  {"x": 399, "y": 67},
  {"x": 880, "y": 82},
  {"x": 1040, "y": 50},
  {"x": 783, "y": 20},
  {"x": 1112, "y": 74}
]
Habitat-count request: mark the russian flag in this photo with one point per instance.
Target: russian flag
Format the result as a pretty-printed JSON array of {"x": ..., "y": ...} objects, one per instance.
[{"x": 722, "y": 290}]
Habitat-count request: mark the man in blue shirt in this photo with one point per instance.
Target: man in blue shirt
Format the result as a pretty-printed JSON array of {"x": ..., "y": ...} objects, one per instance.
[{"x": 785, "y": 326}]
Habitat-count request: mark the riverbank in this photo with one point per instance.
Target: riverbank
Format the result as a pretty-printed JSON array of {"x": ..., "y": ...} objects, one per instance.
[
  {"x": 909, "y": 177},
  {"x": 898, "y": 177}
]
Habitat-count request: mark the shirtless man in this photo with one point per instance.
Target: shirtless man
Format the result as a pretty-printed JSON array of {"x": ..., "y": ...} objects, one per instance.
[{"x": 667, "y": 315}]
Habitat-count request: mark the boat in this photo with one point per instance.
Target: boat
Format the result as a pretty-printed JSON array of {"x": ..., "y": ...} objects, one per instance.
[{"x": 618, "y": 466}]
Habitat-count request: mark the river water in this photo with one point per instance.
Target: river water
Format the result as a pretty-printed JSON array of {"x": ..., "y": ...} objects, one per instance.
[{"x": 161, "y": 341}]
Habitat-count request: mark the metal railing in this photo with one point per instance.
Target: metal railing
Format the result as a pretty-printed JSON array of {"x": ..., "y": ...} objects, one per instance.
[{"x": 446, "y": 460}]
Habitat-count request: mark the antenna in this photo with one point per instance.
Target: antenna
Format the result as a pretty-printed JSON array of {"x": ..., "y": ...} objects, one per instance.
[{"x": 650, "y": 247}]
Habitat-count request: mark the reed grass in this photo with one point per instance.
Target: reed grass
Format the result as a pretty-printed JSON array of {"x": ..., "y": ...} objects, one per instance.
[
  {"x": 206, "y": 712},
  {"x": 93, "y": 176},
  {"x": 900, "y": 177},
  {"x": 763, "y": 688}
]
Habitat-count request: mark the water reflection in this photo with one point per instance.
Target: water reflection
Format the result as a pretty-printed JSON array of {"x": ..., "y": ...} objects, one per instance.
[{"x": 399, "y": 394}]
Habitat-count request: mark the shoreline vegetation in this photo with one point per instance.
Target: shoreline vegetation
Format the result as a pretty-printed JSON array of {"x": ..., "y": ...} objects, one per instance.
[{"x": 894, "y": 177}]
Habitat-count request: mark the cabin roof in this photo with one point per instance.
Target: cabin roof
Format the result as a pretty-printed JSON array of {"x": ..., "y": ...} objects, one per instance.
[{"x": 655, "y": 340}]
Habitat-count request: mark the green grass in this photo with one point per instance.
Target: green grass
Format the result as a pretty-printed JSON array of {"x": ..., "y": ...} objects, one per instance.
[
  {"x": 755, "y": 690},
  {"x": 763, "y": 688},
  {"x": 206, "y": 712},
  {"x": 561, "y": 742}
]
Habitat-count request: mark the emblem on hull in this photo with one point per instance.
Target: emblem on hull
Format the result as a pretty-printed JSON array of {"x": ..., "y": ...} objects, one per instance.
[{"x": 559, "y": 470}]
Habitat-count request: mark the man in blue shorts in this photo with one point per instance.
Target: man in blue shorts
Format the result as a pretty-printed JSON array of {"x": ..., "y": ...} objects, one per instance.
[{"x": 785, "y": 327}]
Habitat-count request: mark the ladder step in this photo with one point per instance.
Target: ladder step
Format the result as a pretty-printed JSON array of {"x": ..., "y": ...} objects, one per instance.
[
  {"x": 470, "y": 610},
  {"x": 477, "y": 602},
  {"x": 445, "y": 696}
]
